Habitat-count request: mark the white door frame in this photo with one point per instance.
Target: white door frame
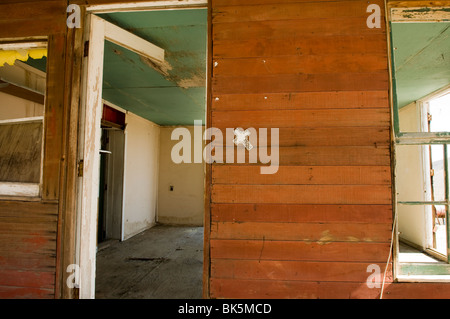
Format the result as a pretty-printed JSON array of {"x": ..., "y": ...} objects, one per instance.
[{"x": 96, "y": 32}]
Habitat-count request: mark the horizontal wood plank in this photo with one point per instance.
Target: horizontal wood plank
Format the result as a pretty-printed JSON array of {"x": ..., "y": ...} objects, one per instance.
[
  {"x": 318, "y": 44},
  {"x": 16, "y": 208},
  {"x": 302, "y": 100},
  {"x": 302, "y": 194},
  {"x": 32, "y": 279},
  {"x": 302, "y": 118},
  {"x": 32, "y": 10},
  {"x": 309, "y": 137},
  {"x": 284, "y": 213},
  {"x": 318, "y": 156},
  {"x": 293, "y": 270},
  {"x": 28, "y": 242},
  {"x": 291, "y": 11},
  {"x": 299, "y": 251},
  {"x": 372, "y": 81},
  {"x": 307, "y": 232},
  {"x": 307, "y": 64},
  {"x": 286, "y": 29},
  {"x": 39, "y": 264},
  {"x": 272, "y": 289},
  {"x": 29, "y": 28},
  {"x": 275, "y": 289},
  {"x": 9, "y": 292},
  {"x": 303, "y": 175},
  {"x": 222, "y": 3}
]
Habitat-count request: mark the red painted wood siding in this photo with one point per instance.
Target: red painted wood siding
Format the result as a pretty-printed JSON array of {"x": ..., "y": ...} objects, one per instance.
[
  {"x": 27, "y": 249},
  {"x": 316, "y": 71}
]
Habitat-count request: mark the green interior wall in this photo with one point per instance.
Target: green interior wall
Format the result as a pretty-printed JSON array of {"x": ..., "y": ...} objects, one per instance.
[{"x": 421, "y": 59}]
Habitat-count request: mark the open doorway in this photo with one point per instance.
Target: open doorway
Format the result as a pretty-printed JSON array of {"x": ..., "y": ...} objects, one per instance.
[
  {"x": 112, "y": 157},
  {"x": 151, "y": 65}
]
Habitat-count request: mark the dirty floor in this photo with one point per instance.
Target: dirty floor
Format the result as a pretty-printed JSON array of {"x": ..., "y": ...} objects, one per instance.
[{"x": 162, "y": 263}]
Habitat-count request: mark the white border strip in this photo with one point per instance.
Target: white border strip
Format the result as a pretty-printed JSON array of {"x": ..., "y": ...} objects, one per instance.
[
  {"x": 19, "y": 189},
  {"x": 23, "y": 45},
  {"x": 134, "y": 6},
  {"x": 22, "y": 120},
  {"x": 420, "y": 14},
  {"x": 132, "y": 42}
]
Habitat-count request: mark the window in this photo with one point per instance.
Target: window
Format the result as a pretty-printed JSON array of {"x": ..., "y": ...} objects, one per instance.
[
  {"x": 22, "y": 95},
  {"x": 423, "y": 190},
  {"x": 421, "y": 95}
]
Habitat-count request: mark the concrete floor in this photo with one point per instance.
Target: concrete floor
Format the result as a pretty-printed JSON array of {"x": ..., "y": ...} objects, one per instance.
[{"x": 162, "y": 263}]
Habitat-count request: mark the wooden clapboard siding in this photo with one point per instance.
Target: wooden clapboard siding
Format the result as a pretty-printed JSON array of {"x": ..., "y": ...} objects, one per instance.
[
  {"x": 27, "y": 249},
  {"x": 314, "y": 70}
]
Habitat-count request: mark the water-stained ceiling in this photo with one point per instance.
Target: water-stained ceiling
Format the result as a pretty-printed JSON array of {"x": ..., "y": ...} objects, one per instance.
[
  {"x": 422, "y": 59},
  {"x": 171, "y": 94}
]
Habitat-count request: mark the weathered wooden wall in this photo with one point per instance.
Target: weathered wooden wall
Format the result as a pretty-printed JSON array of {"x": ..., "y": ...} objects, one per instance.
[
  {"x": 315, "y": 70},
  {"x": 29, "y": 228}
]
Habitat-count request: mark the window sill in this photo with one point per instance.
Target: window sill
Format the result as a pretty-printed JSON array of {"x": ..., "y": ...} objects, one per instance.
[{"x": 423, "y": 278}]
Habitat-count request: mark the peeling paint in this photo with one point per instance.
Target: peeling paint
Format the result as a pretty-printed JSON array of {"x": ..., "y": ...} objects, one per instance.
[
  {"x": 163, "y": 68},
  {"x": 195, "y": 81},
  {"x": 10, "y": 56},
  {"x": 326, "y": 238}
]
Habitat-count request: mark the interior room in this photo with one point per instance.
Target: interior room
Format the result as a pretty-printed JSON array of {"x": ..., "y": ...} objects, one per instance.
[
  {"x": 422, "y": 96},
  {"x": 150, "y": 222}
]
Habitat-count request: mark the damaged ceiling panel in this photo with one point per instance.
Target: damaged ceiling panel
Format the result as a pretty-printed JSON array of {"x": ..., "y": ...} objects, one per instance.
[
  {"x": 422, "y": 59},
  {"x": 170, "y": 94}
]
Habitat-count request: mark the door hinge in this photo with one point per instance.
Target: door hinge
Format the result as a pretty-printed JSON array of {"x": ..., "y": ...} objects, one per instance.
[
  {"x": 430, "y": 117},
  {"x": 80, "y": 168},
  {"x": 432, "y": 172},
  {"x": 86, "y": 49}
]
